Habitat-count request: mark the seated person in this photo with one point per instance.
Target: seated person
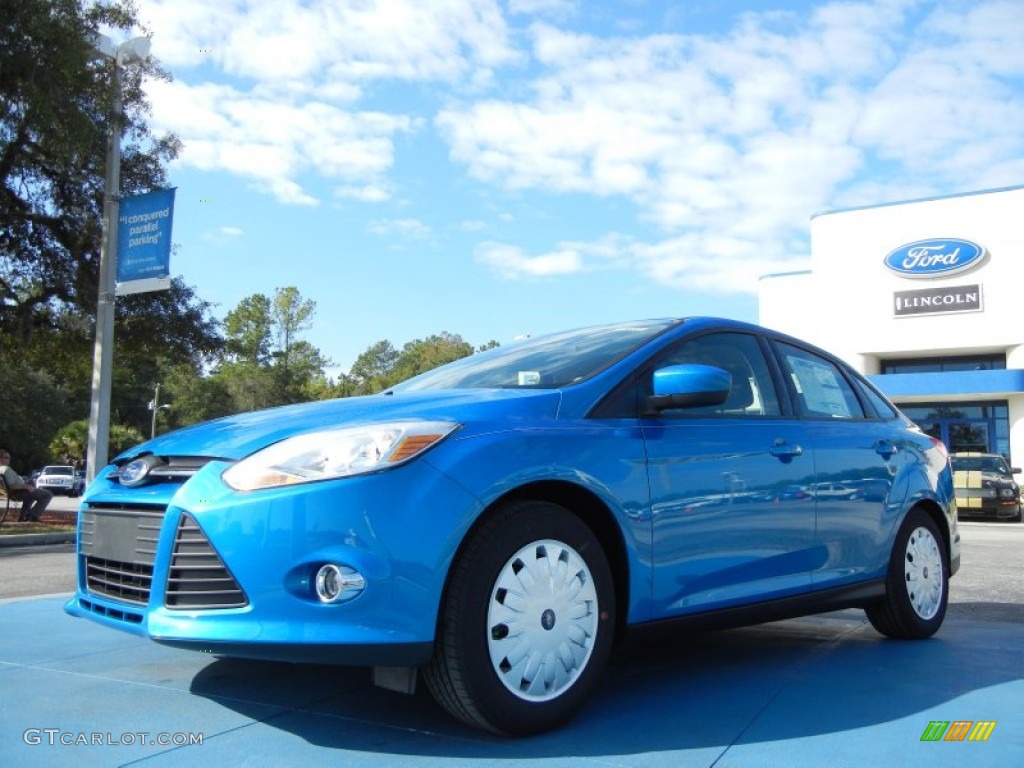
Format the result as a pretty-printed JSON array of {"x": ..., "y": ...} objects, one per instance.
[{"x": 34, "y": 500}]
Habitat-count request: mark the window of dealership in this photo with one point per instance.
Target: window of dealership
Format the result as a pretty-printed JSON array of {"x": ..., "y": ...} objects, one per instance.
[{"x": 926, "y": 298}]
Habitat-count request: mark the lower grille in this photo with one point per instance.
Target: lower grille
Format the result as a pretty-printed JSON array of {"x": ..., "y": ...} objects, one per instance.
[
  {"x": 118, "y": 545},
  {"x": 129, "y": 582},
  {"x": 198, "y": 578}
]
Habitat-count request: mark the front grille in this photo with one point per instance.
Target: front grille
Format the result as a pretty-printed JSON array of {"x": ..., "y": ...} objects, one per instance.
[
  {"x": 198, "y": 578},
  {"x": 129, "y": 582},
  {"x": 168, "y": 469},
  {"x": 118, "y": 543}
]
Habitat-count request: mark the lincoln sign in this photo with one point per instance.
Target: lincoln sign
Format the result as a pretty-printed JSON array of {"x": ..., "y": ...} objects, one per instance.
[{"x": 932, "y": 301}]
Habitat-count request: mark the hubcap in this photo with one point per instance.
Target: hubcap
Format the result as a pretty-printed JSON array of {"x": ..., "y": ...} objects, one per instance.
[
  {"x": 922, "y": 569},
  {"x": 542, "y": 620}
]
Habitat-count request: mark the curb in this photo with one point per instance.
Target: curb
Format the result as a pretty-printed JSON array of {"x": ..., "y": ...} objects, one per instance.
[{"x": 28, "y": 539}]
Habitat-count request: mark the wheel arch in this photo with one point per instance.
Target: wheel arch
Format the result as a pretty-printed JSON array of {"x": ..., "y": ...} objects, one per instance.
[
  {"x": 589, "y": 508},
  {"x": 934, "y": 511}
]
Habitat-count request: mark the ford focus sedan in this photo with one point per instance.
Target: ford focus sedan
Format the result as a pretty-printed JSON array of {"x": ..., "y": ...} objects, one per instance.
[{"x": 492, "y": 527}]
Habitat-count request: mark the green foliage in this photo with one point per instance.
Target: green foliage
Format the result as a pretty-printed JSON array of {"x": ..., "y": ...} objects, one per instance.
[
  {"x": 32, "y": 408},
  {"x": 55, "y": 98},
  {"x": 55, "y": 104},
  {"x": 71, "y": 442},
  {"x": 381, "y": 366},
  {"x": 424, "y": 354},
  {"x": 248, "y": 327},
  {"x": 371, "y": 372}
]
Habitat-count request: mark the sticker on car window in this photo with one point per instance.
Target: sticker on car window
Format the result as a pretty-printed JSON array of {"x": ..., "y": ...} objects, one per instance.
[
  {"x": 529, "y": 378},
  {"x": 820, "y": 387}
]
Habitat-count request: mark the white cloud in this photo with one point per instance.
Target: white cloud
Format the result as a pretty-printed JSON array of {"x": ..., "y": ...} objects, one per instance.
[
  {"x": 730, "y": 144},
  {"x": 406, "y": 227},
  {"x": 727, "y": 143},
  {"x": 274, "y": 143},
  {"x": 553, "y": 8},
  {"x": 276, "y": 42},
  {"x": 509, "y": 261}
]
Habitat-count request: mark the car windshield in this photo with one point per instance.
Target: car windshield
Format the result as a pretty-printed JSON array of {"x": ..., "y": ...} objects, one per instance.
[
  {"x": 980, "y": 464},
  {"x": 547, "y": 362},
  {"x": 58, "y": 471}
]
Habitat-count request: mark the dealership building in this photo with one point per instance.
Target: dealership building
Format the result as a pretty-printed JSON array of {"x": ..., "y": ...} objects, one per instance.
[{"x": 927, "y": 298}]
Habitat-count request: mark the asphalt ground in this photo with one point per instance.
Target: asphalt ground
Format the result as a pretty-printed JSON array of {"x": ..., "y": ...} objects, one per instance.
[{"x": 819, "y": 691}]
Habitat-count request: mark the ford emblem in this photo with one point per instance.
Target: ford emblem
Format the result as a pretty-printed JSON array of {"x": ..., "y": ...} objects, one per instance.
[
  {"x": 934, "y": 258},
  {"x": 134, "y": 472},
  {"x": 137, "y": 471}
]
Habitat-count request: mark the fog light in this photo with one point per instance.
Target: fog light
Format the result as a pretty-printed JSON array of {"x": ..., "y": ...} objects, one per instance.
[{"x": 338, "y": 583}]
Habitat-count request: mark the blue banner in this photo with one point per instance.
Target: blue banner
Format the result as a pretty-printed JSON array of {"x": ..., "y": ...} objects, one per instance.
[{"x": 144, "y": 242}]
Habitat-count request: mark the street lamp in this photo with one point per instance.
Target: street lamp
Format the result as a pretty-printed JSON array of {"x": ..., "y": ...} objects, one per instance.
[
  {"x": 129, "y": 52},
  {"x": 155, "y": 407}
]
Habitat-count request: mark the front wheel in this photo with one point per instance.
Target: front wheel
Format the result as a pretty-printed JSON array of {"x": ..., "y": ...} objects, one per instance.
[
  {"x": 917, "y": 583},
  {"x": 527, "y": 622}
]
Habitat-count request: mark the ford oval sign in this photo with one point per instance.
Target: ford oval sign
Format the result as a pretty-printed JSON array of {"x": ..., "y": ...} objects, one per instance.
[{"x": 934, "y": 258}]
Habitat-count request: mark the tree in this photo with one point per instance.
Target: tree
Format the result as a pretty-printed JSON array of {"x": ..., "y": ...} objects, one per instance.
[
  {"x": 291, "y": 316},
  {"x": 371, "y": 372},
  {"x": 71, "y": 441},
  {"x": 55, "y": 97},
  {"x": 33, "y": 407},
  {"x": 249, "y": 327},
  {"x": 268, "y": 363},
  {"x": 382, "y": 366},
  {"x": 424, "y": 354},
  {"x": 55, "y": 102}
]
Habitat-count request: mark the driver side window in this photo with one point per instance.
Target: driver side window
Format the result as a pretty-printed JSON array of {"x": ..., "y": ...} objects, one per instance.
[{"x": 752, "y": 392}]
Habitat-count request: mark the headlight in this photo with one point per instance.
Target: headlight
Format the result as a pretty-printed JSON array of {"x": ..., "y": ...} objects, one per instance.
[
  {"x": 1008, "y": 493},
  {"x": 336, "y": 453}
]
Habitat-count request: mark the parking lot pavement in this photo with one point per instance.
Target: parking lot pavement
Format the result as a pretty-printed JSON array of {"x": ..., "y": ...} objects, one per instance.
[{"x": 819, "y": 691}]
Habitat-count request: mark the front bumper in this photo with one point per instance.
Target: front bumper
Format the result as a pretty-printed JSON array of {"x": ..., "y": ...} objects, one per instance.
[
  {"x": 986, "y": 507},
  {"x": 197, "y": 565}
]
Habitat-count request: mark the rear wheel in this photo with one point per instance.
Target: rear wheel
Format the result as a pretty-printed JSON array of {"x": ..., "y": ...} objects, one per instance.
[
  {"x": 917, "y": 584},
  {"x": 527, "y": 623}
]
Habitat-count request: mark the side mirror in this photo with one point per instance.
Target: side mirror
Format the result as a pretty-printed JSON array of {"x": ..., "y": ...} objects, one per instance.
[
  {"x": 1015, "y": 470},
  {"x": 682, "y": 386}
]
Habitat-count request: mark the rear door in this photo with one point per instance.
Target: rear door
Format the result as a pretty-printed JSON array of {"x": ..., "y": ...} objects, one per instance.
[{"x": 858, "y": 454}]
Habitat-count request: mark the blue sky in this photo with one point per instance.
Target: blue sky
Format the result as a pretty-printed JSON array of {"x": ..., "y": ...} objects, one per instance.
[{"x": 501, "y": 167}]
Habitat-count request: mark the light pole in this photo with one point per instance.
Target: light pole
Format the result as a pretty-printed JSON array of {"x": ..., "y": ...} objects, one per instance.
[
  {"x": 130, "y": 52},
  {"x": 155, "y": 407}
]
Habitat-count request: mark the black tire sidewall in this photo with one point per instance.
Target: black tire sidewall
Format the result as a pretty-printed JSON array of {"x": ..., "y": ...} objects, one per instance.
[
  {"x": 898, "y": 592},
  {"x": 526, "y": 523}
]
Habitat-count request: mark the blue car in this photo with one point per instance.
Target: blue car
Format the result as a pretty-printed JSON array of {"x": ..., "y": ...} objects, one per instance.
[{"x": 494, "y": 526}]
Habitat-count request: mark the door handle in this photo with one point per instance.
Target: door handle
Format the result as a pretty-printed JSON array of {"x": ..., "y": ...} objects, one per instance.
[{"x": 782, "y": 450}]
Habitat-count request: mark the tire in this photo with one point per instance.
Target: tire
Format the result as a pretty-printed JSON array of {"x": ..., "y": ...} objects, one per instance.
[
  {"x": 917, "y": 583},
  {"x": 527, "y": 623}
]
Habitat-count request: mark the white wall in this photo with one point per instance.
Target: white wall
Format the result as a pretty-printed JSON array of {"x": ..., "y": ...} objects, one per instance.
[{"x": 845, "y": 303}]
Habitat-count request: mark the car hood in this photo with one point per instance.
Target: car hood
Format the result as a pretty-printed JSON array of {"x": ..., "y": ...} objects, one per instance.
[
  {"x": 235, "y": 437},
  {"x": 986, "y": 477}
]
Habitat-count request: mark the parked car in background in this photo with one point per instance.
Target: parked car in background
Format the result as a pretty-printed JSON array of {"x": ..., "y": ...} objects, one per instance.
[
  {"x": 61, "y": 479},
  {"x": 984, "y": 486},
  {"x": 492, "y": 527}
]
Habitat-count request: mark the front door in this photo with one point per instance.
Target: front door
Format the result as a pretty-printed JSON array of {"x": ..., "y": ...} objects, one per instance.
[{"x": 731, "y": 498}]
